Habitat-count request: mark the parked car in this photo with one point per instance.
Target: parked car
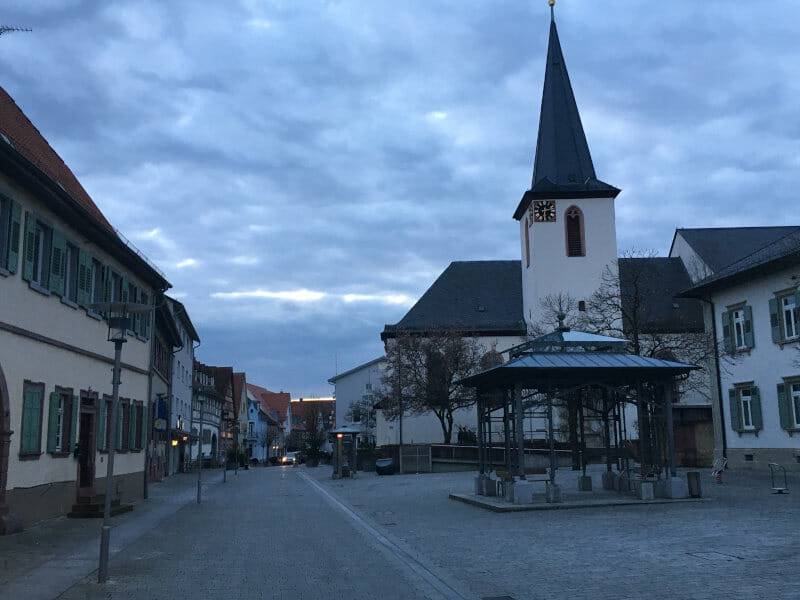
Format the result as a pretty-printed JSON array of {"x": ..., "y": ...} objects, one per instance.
[
  {"x": 384, "y": 466},
  {"x": 292, "y": 458}
]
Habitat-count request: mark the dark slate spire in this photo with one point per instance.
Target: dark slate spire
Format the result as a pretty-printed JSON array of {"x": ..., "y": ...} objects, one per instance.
[
  {"x": 563, "y": 165},
  {"x": 562, "y": 154}
]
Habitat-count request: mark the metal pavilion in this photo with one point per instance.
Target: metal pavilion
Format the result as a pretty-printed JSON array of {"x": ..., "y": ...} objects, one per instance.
[{"x": 593, "y": 378}]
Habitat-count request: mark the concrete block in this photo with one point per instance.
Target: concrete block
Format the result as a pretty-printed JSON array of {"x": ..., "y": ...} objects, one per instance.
[
  {"x": 645, "y": 490},
  {"x": 553, "y": 493},
  {"x": 584, "y": 483},
  {"x": 491, "y": 487},
  {"x": 676, "y": 487},
  {"x": 523, "y": 492},
  {"x": 610, "y": 480},
  {"x": 482, "y": 484}
]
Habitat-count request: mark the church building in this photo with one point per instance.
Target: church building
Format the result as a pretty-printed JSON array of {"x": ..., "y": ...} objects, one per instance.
[{"x": 568, "y": 247}]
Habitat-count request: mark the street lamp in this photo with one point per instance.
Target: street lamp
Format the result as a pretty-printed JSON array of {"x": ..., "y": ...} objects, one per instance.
[{"x": 118, "y": 315}]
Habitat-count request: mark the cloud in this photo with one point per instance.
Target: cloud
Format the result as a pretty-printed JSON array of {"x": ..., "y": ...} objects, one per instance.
[{"x": 322, "y": 163}]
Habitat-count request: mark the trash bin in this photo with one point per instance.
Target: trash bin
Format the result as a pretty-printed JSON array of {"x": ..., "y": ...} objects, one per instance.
[{"x": 693, "y": 483}]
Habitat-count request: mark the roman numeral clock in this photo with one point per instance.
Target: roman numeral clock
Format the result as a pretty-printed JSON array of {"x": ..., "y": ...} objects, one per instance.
[{"x": 544, "y": 211}]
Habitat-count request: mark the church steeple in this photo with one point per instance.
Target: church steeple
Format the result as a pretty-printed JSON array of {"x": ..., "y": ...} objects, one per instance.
[{"x": 562, "y": 165}]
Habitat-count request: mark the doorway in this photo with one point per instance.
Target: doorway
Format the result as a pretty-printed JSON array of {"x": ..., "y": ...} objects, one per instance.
[
  {"x": 87, "y": 447},
  {"x": 8, "y": 522}
]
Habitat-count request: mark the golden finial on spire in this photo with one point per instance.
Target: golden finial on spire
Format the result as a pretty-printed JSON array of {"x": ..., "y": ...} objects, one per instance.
[
  {"x": 552, "y": 15},
  {"x": 551, "y": 2}
]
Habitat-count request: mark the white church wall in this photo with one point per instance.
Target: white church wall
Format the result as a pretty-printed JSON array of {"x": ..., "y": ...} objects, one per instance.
[{"x": 551, "y": 271}]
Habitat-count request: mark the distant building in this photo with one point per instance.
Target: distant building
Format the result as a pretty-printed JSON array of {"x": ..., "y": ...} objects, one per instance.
[{"x": 359, "y": 387}]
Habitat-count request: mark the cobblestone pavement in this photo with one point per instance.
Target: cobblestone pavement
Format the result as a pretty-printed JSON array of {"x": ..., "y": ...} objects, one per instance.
[
  {"x": 296, "y": 533},
  {"x": 740, "y": 543}
]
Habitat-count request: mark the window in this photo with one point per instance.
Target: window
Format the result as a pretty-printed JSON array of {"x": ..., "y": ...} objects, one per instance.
[
  {"x": 135, "y": 426},
  {"x": 573, "y": 222},
  {"x": 71, "y": 269},
  {"x": 527, "y": 243},
  {"x": 104, "y": 424},
  {"x": 62, "y": 421},
  {"x": 789, "y": 403},
  {"x": 31, "y": 429},
  {"x": 745, "y": 408},
  {"x": 9, "y": 235},
  {"x": 784, "y": 319},
  {"x": 123, "y": 425},
  {"x": 737, "y": 328},
  {"x": 36, "y": 261}
]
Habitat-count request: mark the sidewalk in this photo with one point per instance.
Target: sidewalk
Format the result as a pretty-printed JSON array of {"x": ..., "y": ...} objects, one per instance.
[{"x": 46, "y": 559}]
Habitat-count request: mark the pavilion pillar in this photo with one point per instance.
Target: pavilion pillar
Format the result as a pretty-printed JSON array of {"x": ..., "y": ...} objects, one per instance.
[
  {"x": 606, "y": 430},
  {"x": 481, "y": 443},
  {"x": 668, "y": 386},
  {"x": 520, "y": 433},
  {"x": 506, "y": 434}
]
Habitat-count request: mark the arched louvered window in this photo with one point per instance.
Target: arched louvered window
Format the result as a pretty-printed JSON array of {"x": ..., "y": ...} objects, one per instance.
[{"x": 573, "y": 222}]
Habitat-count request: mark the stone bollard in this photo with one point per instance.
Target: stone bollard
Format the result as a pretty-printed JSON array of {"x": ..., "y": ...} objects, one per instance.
[
  {"x": 693, "y": 483},
  {"x": 553, "y": 493},
  {"x": 645, "y": 489},
  {"x": 610, "y": 481},
  {"x": 585, "y": 483}
]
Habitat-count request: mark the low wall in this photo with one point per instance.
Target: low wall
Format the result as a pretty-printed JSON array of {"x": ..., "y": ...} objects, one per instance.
[
  {"x": 51, "y": 500},
  {"x": 758, "y": 459}
]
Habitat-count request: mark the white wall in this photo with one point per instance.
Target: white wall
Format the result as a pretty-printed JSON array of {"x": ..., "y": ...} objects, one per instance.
[
  {"x": 551, "y": 271},
  {"x": 766, "y": 364}
]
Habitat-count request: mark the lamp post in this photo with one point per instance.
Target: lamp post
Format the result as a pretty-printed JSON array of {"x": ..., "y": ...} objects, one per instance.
[{"x": 118, "y": 316}]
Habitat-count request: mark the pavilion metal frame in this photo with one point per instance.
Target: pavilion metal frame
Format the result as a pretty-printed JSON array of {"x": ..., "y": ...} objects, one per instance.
[{"x": 593, "y": 375}]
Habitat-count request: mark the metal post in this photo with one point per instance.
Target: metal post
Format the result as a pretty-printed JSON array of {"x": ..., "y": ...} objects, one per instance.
[
  {"x": 507, "y": 439},
  {"x": 580, "y": 394},
  {"x": 520, "y": 433},
  {"x": 670, "y": 430},
  {"x": 105, "y": 529},
  {"x": 481, "y": 447},
  {"x": 236, "y": 446},
  {"x": 606, "y": 431},
  {"x": 200, "y": 456},
  {"x": 550, "y": 435}
]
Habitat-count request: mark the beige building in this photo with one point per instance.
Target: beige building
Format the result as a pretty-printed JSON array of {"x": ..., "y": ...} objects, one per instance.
[{"x": 58, "y": 256}]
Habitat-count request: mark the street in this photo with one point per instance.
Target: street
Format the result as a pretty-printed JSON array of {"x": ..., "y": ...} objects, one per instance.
[{"x": 294, "y": 533}]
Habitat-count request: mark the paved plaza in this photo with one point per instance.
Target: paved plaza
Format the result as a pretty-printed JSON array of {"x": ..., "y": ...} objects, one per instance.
[{"x": 295, "y": 533}]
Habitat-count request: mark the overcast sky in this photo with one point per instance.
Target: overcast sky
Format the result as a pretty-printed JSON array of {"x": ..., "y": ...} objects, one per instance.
[{"x": 302, "y": 171}]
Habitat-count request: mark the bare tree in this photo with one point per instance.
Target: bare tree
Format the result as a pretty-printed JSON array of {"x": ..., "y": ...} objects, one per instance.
[
  {"x": 363, "y": 412},
  {"x": 422, "y": 371},
  {"x": 553, "y": 308}
]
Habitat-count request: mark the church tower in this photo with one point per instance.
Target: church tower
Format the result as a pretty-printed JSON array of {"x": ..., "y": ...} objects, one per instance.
[{"x": 566, "y": 218}]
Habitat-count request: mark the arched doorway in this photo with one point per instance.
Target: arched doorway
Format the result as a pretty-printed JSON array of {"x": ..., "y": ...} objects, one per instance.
[{"x": 8, "y": 523}]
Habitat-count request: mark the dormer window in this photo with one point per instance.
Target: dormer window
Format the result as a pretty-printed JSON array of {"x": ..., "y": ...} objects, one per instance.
[{"x": 573, "y": 223}]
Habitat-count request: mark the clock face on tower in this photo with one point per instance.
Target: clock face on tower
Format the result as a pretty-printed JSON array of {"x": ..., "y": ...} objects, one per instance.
[{"x": 544, "y": 211}]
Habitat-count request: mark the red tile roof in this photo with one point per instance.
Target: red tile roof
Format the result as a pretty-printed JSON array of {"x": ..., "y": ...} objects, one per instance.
[
  {"x": 238, "y": 388},
  {"x": 27, "y": 140},
  {"x": 278, "y": 401}
]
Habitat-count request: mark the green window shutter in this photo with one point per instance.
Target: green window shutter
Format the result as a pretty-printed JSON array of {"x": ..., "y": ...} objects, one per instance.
[
  {"x": 30, "y": 425},
  {"x": 774, "y": 320},
  {"x": 73, "y": 431},
  {"x": 106, "y": 283},
  {"x": 749, "y": 338},
  {"x": 58, "y": 262},
  {"x": 784, "y": 410},
  {"x": 755, "y": 408},
  {"x": 796, "y": 305},
  {"x": 736, "y": 417},
  {"x": 29, "y": 246},
  {"x": 727, "y": 335},
  {"x": 145, "y": 426},
  {"x": 101, "y": 425},
  {"x": 131, "y": 426},
  {"x": 137, "y": 297},
  {"x": 13, "y": 237},
  {"x": 146, "y": 324},
  {"x": 118, "y": 445},
  {"x": 52, "y": 422},
  {"x": 124, "y": 292},
  {"x": 84, "y": 278}
]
